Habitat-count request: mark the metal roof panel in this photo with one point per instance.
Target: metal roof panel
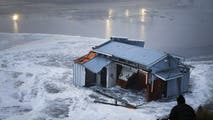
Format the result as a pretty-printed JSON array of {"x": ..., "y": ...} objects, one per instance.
[
  {"x": 96, "y": 64},
  {"x": 169, "y": 75},
  {"x": 131, "y": 53}
]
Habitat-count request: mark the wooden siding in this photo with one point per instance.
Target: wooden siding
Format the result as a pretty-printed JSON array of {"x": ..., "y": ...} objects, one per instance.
[{"x": 157, "y": 91}]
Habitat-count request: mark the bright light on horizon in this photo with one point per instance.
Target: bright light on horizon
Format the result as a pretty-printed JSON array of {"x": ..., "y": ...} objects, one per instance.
[
  {"x": 142, "y": 13},
  {"x": 15, "y": 17},
  {"x": 110, "y": 12}
]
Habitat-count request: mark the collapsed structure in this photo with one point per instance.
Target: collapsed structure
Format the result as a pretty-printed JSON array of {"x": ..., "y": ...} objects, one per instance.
[{"x": 128, "y": 64}]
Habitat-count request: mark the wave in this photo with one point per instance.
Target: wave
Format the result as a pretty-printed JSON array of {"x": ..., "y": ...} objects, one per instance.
[{"x": 36, "y": 82}]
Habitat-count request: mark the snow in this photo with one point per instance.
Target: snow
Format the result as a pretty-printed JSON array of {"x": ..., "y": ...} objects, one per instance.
[{"x": 36, "y": 74}]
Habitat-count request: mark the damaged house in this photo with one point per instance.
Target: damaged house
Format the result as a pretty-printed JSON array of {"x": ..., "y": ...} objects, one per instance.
[{"x": 128, "y": 64}]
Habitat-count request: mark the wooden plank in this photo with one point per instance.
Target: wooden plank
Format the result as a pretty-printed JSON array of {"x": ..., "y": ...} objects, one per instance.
[
  {"x": 117, "y": 99},
  {"x": 115, "y": 104}
]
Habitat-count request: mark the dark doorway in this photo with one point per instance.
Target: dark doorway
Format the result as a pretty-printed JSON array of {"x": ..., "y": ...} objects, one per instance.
[
  {"x": 179, "y": 85},
  {"x": 159, "y": 89},
  {"x": 136, "y": 81},
  {"x": 164, "y": 89},
  {"x": 141, "y": 80},
  {"x": 103, "y": 77},
  {"x": 90, "y": 78},
  {"x": 119, "y": 68},
  {"x": 132, "y": 82}
]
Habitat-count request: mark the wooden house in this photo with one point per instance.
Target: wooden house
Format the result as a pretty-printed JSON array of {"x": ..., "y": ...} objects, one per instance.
[{"x": 128, "y": 64}]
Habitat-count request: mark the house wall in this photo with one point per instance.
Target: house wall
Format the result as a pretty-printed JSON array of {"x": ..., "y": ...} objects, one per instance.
[
  {"x": 111, "y": 75},
  {"x": 174, "y": 61},
  {"x": 185, "y": 83},
  {"x": 162, "y": 65},
  {"x": 172, "y": 88},
  {"x": 155, "y": 89},
  {"x": 166, "y": 63},
  {"x": 90, "y": 79},
  {"x": 172, "y": 85},
  {"x": 78, "y": 75}
]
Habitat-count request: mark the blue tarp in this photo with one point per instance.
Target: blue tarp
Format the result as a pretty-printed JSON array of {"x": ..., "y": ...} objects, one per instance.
[{"x": 96, "y": 64}]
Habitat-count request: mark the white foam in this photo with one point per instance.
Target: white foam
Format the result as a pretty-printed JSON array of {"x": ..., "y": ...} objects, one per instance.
[{"x": 31, "y": 70}]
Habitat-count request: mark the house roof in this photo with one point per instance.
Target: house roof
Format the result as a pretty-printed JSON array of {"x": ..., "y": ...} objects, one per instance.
[
  {"x": 96, "y": 64},
  {"x": 130, "y": 42},
  {"x": 85, "y": 58},
  {"x": 169, "y": 74},
  {"x": 133, "y": 53}
]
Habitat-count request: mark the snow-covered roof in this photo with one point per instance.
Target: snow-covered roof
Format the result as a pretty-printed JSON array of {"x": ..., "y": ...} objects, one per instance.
[{"x": 133, "y": 53}]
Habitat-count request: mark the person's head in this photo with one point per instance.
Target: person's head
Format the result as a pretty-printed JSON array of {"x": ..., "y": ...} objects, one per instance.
[{"x": 180, "y": 100}]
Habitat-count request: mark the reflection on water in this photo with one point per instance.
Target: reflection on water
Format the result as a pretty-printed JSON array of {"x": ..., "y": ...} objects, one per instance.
[
  {"x": 110, "y": 13},
  {"x": 126, "y": 13},
  {"x": 169, "y": 27},
  {"x": 126, "y": 22},
  {"x": 108, "y": 24},
  {"x": 142, "y": 34},
  {"x": 15, "y": 27},
  {"x": 108, "y": 32},
  {"x": 15, "y": 18},
  {"x": 117, "y": 22},
  {"x": 142, "y": 13}
]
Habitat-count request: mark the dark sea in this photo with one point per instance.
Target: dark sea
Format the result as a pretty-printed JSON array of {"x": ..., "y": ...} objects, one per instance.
[{"x": 180, "y": 27}]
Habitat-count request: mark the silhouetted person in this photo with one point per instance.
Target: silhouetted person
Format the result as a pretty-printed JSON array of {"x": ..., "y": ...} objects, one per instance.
[{"x": 182, "y": 111}]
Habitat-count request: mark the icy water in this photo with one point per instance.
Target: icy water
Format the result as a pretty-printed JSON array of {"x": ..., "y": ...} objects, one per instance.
[
  {"x": 36, "y": 69},
  {"x": 182, "y": 27},
  {"x": 36, "y": 78}
]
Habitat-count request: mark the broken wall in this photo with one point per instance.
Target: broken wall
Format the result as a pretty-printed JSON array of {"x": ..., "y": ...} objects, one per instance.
[{"x": 111, "y": 75}]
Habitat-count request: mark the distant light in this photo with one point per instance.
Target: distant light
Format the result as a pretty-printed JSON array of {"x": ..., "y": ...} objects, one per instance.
[
  {"x": 127, "y": 13},
  {"x": 143, "y": 11},
  {"x": 110, "y": 12},
  {"x": 15, "y": 17}
]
